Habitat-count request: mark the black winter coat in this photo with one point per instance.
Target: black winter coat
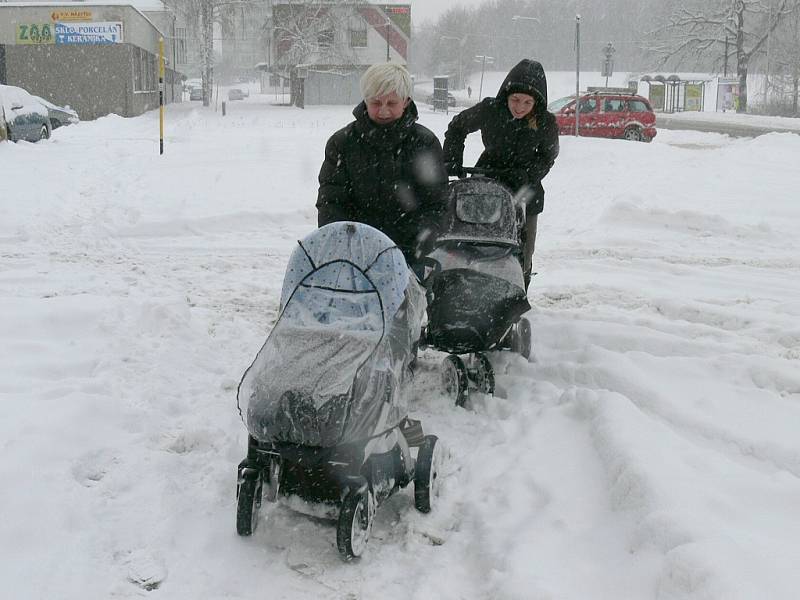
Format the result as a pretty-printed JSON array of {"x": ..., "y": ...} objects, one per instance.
[
  {"x": 391, "y": 177},
  {"x": 522, "y": 155}
]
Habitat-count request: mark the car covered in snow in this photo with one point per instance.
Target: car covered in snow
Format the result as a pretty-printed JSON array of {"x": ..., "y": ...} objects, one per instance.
[
  {"x": 26, "y": 118},
  {"x": 196, "y": 93},
  {"x": 59, "y": 115},
  {"x": 608, "y": 114},
  {"x": 235, "y": 94}
]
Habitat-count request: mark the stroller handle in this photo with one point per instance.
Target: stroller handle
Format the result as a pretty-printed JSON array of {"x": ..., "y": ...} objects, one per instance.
[{"x": 479, "y": 171}]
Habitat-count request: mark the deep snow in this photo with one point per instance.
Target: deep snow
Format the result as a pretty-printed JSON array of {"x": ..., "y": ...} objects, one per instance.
[{"x": 650, "y": 449}]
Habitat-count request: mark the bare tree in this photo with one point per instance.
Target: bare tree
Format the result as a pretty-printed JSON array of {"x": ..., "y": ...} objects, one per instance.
[
  {"x": 704, "y": 29},
  {"x": 200, "y": 16},
  {"x": 318, "y": 34}
]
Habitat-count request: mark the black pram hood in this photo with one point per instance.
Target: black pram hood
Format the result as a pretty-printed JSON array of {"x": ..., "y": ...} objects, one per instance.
[{"x": 527, "y": 77}]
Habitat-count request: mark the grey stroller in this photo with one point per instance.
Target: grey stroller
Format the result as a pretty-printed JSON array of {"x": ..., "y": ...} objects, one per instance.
[
  {"x": 325, "y": 400},
  {"x": 476, "y": 290}
]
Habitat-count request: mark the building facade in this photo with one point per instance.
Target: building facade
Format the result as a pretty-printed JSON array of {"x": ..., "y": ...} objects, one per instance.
[
  {"x": 244, "y": 40},
  {"x": 97, "y": 58},
  {"x": 322, "y": 48}
]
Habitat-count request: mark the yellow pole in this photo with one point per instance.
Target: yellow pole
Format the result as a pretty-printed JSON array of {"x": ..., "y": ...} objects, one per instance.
[{"x": 161, "y": 94}]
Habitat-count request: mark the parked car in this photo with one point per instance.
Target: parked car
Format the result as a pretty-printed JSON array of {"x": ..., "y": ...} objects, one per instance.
[
  {"x": 192, "y": 83},
  {"x": 451, "y": 100},
  {"x": 196, "y": 93},
  {"x": 26, "y": 118},
  {"x": 59, "y": 115},
  {"x": 607, "y": 114},
  {"x": 235, "y": 94}
]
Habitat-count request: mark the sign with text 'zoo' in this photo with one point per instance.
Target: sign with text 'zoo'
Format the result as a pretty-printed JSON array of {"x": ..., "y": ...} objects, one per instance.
[
  {"x": 89, "y": 33},
  {"x": 35, "y": 33}
]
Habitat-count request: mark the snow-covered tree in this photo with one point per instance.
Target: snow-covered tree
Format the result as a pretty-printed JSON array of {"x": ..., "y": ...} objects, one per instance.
[
  {"x": 738, "y": 29},
  {"x": 316, "y": 33}
]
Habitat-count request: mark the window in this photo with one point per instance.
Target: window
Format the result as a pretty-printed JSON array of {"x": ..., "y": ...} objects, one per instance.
[
  {"x": 613, "y": 105},
  {"x": 358, "y": 32},
  {"x": 358, "y": 38},
  {"x": 588, "y": 105},
  {"x": 180, "y": 45},
  {"x": 326, "y": 37},
  {"x": 638, "y": 106}
]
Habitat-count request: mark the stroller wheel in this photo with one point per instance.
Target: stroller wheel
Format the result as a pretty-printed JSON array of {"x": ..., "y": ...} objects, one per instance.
[
  {"x": 248, "y": 501},
  {"x": 521, "y": 338},
  {"x": 426, "y": 475},
  {"x": 454, "y": 379},
  {"x": 484, "y": 374},
  {"x": 355, "y": 523}
]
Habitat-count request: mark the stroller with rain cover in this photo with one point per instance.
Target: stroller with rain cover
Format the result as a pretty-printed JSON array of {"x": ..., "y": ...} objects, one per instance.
[
  {"x": 476, "y": 290},
  {"x": 324, "y": 401}
]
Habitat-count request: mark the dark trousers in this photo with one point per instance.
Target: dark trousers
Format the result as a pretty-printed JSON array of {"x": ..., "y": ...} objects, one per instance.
[{"x": 528, "y": 245}]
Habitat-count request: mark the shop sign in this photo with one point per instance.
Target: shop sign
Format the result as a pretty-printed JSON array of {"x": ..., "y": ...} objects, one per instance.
[
  {"x": 34, "y": 33},
  {"x": 89, "y": 33}
]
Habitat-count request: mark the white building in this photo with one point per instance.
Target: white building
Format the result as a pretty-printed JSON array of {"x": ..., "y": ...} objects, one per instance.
[{"x": 323, "y": 47}]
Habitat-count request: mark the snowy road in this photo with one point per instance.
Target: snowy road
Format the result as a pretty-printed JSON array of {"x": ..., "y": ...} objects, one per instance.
[{"x": 650, "y": 449}]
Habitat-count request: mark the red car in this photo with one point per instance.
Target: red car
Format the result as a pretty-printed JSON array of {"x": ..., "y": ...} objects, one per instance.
[{"x": 607, "y": 114}]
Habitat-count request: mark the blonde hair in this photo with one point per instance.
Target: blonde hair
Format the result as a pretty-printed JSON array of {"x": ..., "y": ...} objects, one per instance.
[{"x": 385, "y": 78}]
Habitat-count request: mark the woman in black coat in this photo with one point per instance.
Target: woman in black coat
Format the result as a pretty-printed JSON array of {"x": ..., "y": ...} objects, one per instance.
[
  {"x": 520, "y": 140},
  {"x": 384, "y": 169}
]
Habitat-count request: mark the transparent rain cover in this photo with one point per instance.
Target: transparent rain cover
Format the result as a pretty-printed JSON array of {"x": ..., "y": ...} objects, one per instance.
[
  {"x": 480, "y": 210},
  {"x": 472, "y": 208},
  {"x": 331, "y": 369}
]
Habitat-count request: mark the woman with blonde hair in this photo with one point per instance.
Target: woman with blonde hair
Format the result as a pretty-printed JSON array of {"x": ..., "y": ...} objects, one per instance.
[
  {"x": 384, "y": 169},
  {"x": 520, "y": 140}
]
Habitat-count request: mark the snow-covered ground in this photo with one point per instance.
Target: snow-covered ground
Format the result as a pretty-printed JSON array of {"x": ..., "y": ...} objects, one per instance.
[{"x": 649, "y": 449}]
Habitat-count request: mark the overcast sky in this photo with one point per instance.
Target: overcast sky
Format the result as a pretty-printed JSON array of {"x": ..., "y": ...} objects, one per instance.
[{"x": 427, "y": 10}]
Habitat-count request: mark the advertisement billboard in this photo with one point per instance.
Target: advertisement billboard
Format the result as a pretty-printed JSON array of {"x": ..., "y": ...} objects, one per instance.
[{"x": 693, "y": 97}]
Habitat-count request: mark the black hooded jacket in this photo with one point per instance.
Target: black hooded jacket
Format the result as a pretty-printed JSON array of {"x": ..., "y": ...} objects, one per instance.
[
  {"x": 521, "y": 154},
  {"x": 390, "y": 177}
]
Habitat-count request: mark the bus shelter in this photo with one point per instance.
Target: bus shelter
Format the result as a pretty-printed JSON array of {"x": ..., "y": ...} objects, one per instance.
[
  {"x": 673, "y": 94},
  {"x": 440, "y": 92}
]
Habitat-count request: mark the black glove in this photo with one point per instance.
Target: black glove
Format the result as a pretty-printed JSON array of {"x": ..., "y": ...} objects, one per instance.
[{"x": 454, "y": 169}]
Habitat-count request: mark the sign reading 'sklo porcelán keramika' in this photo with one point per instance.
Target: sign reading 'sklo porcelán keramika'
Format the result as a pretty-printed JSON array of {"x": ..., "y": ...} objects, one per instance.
[{"x": 88, "y": 33}]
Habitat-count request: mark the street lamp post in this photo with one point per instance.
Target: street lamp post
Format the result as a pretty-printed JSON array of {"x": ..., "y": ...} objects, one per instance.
[
  {"x": 459, "y": 75},
  {"x": 577, "y": 74},
  {"x": 482, "y": 58},
  {"x": 522, "y": 18}
]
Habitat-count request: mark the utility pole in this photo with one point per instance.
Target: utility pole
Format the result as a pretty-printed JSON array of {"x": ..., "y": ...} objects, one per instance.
[
  {"x": 769, "y": 38},
  {"x": 577, "y": 73}
]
